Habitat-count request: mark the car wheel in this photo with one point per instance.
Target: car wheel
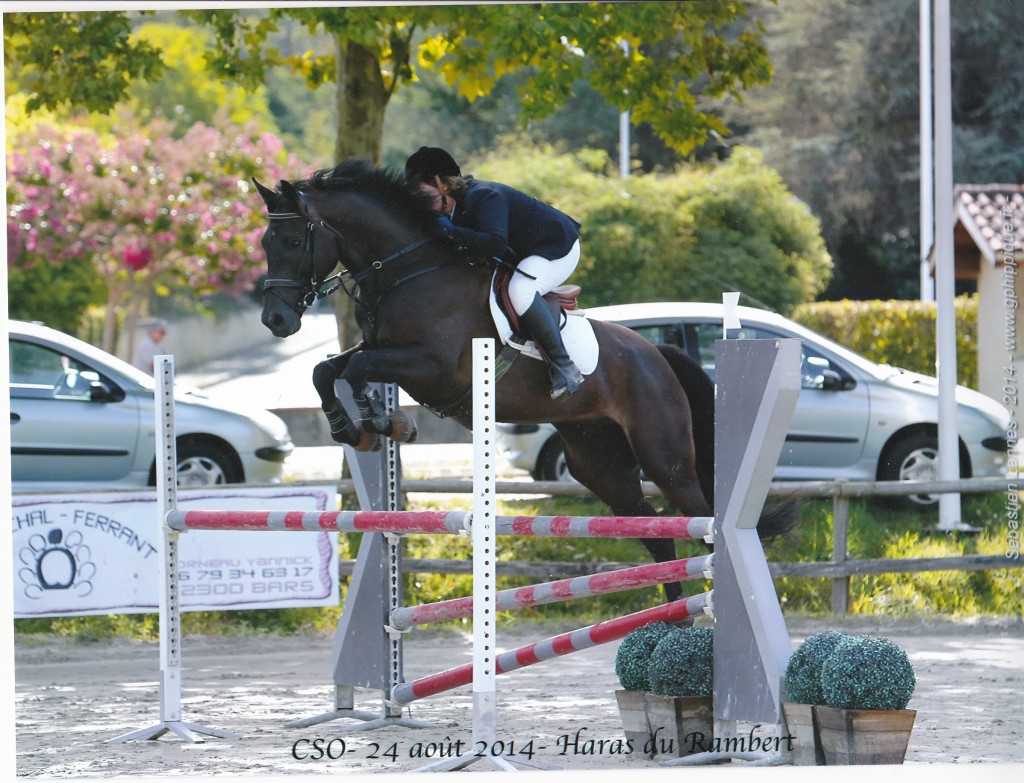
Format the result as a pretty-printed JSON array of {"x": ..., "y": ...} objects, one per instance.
[
  {"x": 551, "y": 464},
  {"x": 914, "y": 457},
  {"x": 206, "y": 464}
]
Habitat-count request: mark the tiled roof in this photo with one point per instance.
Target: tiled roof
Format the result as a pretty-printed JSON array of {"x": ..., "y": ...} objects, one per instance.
[{"x": 985, "y": 210}]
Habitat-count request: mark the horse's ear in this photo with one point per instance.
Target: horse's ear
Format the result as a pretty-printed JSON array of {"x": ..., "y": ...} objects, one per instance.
[
  {"x": 270, "y": 198},
  {"x": 296, "y": 199}
]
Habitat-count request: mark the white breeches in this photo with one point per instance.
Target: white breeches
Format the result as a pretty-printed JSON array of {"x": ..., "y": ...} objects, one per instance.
[{"x": 549, "y": 273}]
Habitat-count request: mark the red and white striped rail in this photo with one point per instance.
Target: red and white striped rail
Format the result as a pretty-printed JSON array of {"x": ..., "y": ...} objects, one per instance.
[
  {"x": 406, "y": 617},
  {"x": 553, "y": 647},
  {"x": 607, "y": 527},
  {"x": 342, "y": 521},
  {"x": 442, "y": 522}
]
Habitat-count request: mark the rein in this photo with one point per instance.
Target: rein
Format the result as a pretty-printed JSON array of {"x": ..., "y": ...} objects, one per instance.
[{"x": 311, "y": 291}]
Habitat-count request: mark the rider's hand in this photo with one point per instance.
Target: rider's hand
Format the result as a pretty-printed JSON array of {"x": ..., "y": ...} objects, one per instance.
[{"x": 443, "y": 229}]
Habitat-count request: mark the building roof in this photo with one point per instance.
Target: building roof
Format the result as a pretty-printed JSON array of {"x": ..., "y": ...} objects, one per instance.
[{"x": 986, "y": 211}]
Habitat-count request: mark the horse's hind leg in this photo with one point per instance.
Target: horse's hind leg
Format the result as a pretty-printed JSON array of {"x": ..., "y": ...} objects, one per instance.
[
  {"x": 598, "y": 456},
  {"x": 664, "y": 448}
]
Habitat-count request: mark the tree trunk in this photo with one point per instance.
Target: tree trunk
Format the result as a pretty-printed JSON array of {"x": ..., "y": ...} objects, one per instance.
[
  {"x": 109, "y": 339},
  {"x": 361, "y": 100}
]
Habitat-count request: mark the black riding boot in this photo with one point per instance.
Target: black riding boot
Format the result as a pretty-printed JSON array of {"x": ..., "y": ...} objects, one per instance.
[{"x": 542, "y": 326}]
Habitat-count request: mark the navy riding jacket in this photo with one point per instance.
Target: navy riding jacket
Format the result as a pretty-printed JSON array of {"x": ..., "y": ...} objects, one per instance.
[{"x": 495, "y": 220}]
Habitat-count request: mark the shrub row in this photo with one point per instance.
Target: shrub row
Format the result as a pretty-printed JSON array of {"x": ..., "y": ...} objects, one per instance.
[{"x": 900, "y": 333}]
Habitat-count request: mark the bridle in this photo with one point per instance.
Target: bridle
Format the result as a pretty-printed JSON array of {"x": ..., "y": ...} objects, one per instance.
[{"x": 309, "y": 289}]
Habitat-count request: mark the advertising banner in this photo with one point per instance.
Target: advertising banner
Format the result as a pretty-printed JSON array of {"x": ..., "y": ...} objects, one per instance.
[{"x": 97, "y": 553}]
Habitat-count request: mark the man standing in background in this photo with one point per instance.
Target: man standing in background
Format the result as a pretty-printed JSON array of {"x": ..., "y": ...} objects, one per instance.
[{"x": 149, "y": 346}]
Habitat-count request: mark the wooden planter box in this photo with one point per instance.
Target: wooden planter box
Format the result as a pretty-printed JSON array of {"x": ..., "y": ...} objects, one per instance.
[
  {"x": 680, "y": 725},
  {"x": 633, "y": 712},
  {"x": 666, "y": 725},
  {"x": 864, "y": 736},
  {"x": 807, "y": 750}
]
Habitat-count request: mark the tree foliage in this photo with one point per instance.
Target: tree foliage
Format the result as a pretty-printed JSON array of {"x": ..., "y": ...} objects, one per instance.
[
  {"x": 676, "y": 53},
  {"x": 840, "y": 123},
  {"x": 660, "y": 60},
  {"x": 78, "y": 59},
  {"x": 185, "y": 94}
]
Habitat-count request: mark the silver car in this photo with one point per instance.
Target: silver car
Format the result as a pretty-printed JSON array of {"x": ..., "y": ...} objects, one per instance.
[
  {"x": 854, "y": 419},
  {"x": 81, "y": 418}
]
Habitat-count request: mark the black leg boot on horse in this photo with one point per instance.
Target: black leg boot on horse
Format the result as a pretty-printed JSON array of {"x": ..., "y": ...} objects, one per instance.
[
  {"x": 543, "y": 328},
  {"x": 374, "y": 422}
]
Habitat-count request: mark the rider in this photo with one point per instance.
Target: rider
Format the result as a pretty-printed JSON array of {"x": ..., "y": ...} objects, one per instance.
[{"x": 489, "y": 219}]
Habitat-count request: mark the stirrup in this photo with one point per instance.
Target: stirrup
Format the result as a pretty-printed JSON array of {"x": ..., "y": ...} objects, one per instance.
[{"x": 565, "y": 382}]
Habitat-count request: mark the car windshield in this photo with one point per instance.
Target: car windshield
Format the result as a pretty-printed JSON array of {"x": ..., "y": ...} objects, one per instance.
[
  {"x": 88, "y": 358},
  {"x": 665, "y": 324}
]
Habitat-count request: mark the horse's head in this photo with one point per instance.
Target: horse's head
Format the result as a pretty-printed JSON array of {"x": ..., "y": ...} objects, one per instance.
[
  {"x": 355, "y": 214},
  {"x": 296, "y": 264}
]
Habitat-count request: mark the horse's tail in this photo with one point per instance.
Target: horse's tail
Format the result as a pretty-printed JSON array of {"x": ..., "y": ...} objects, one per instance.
[
  {"x": 775, "y": 520},
  {"x": 700, "y": 392}
]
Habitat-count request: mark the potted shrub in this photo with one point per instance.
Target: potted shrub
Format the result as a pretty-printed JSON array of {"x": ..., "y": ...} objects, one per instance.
[
  {"x": 866, "y": 684},
  {"x": 680, "y": 709},
  {"x": 632, "y": 661},
  {"x": 802, "y": 681}
]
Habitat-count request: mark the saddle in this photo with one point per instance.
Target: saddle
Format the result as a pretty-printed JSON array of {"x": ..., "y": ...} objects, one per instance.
[{"x": 559, "y": 299}]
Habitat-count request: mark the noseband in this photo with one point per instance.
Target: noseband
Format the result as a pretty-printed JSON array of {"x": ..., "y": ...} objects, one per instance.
[{"x": 309, "y": 290}]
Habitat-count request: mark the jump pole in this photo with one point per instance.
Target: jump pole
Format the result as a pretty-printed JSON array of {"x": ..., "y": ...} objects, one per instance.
[
  {"x": 562, "y": 590},
  {"x": 441, "y": 522},
  {"x": 169, "y": 600},
  {"x": 556, "y": 646}
]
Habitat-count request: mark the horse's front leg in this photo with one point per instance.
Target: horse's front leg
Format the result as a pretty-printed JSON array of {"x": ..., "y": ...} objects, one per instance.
[
  {"x": 343, "y": 428},
  {"x": 390, "y": 365},
  {"x": 374, "y": 416}
]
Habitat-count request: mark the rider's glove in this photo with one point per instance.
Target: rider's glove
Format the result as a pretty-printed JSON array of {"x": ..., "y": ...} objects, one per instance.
[{"x": 443, "y": 229}]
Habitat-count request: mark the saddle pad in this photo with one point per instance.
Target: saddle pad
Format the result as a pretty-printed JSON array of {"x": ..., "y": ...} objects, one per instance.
[{"x": 577, "y": 334}]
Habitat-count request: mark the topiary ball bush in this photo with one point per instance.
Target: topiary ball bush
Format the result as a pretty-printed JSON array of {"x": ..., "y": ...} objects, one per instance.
[
  {"x": 634, "y": 655},
  {"x": 868, "y": 673},
  {"x": 681, "y": 664},
  {"x": 803, "y": 673}
]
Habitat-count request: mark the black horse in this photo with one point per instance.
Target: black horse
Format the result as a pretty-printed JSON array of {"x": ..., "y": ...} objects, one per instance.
[{"x": 644, "y": 407}]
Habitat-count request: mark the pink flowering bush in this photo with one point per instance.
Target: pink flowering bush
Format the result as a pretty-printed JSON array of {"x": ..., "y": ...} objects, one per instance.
[{"x": 149, "y": 212}]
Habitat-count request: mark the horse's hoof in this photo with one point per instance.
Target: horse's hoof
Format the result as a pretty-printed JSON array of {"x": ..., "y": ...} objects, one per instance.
[
  {"x": 403, "y": 427},
  {"x": 370, "y": 441}
]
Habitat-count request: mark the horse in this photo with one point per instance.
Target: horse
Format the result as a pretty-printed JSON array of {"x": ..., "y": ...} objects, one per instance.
[{"x": 644, "y": 408}]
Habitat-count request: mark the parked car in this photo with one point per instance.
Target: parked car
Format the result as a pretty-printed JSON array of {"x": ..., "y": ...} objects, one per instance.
[
  {"x": 854, "y": 419},
  {"x": 81, "y": 418}
]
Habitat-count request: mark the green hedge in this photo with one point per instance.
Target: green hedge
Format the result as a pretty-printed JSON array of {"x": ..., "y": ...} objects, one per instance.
[
  {"x": 687, "y": 235},
  {"x": 900, "y": 333}
]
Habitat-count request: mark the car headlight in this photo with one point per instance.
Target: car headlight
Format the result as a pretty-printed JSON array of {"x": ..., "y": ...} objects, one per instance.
[{"x": 277, "y": 453}]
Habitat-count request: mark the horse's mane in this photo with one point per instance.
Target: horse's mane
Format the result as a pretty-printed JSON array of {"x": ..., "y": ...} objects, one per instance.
[{"x": 385, "y": 185}]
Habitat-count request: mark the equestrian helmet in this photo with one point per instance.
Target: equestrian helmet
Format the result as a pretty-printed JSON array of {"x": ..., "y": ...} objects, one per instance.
[{"x": 429, "y": 162}]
